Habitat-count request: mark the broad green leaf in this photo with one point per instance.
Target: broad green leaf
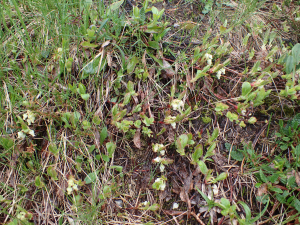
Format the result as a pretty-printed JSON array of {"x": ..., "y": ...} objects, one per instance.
[
  {"x": 111, "y": 147},
  {"x": 131, "y": 65},
  {"x": 91, "y": 177},
  {"x": 87, "y": 44},
  {"x": 246, "y": 88},
  {"x": 222, "y": 176},
  {"x": 6, "y": 143},
  {"x": 38, "y": 182},
  {"x": 85, "y": 96},
  {"x": 197, "y": 154},
  {"x": 290, "y": 64},
  {"x": 116, "y": 5},
  {"x": 103, "y": 135},
  {"x": 252, "y": 120},
  {"x": 203, "y": 167},
  {"x": 296, "y": 53},
  {"x": 153, "y": 44},
  {"x": 52, "y": 173},
  {"x": 53, "y": 149},
  {"x": 81, "y": 89},
  {"x": 220, "y": 107}
]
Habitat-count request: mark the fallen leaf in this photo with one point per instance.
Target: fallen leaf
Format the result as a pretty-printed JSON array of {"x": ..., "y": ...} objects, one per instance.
[
  {"x": 168, "y": 69},
  {"x": 137, "y": 139},
  {"x": 263, "y": 189}
]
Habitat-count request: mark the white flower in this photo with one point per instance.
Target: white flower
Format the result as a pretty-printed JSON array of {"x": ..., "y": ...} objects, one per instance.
[
  {"x": 170, "y": 120},
  {"x": 21, "y": 135},
  {"x": 31, "y": 132},
  {"x": 177, "y": 104},
  {"x": 157, "y": 159},
  {"x": 208, "y": 57},
  {"x": 21, "y": 216},
  {"x": 162, "y": 183},
  {"x": 163, "y": 152},
  {"x": 69, "y": 190},
  {"x": 215, "y": 190},
  {"x": 75, "y": 187},
  {"x": 70, "y": 182},
  {"x": 158, "y": 147},
  {"x": 162, "y": 167},
  {"x": 29, "y": 116},
  {"x": 220, "y": 72},
  {"x": 175, "y": 205},
  {"x": 145, "y": 203}
]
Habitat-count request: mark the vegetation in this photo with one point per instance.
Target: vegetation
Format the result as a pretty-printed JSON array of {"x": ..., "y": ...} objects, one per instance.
[{"x": 149, "y": 112}]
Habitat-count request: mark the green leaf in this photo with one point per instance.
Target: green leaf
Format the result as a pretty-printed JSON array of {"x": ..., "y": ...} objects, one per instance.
[
  {"x": 210, "y": 150},
  {"x": 213, "y": 136},
  {"x": 296, "y": 53},
  {"x": 52, "y": 173},
  {"x": 87, "y": 44},
  {"x": 103, "y": 135},
  {"x": 53, "y": 149},
  {"x": 38, "y": 182},
  {"x": 203, "y": 167},
  {"x": 6, "y": 143},
  {"x": 153, "y": 44},
  {"x": 111, "y": 147},
  {"x": 197, "y": 154},
  {"x": 91, "y": 177},
  {"x": 116, "y": 5},
  {"x": 237, "y": 155},
  {"x": 252, "y": 120},
  {"x": 246, "y": 88},
  {"x": 263, "y": 176},
  {"x": 290, "y": 64},
  {"x": 181, "y": 142},
  {"x": 85, "y": 96},
  {"x": 222, "y": 176},
  {"x": 131, "y": 65},
  {"x": 232, "y": 116},
  {"x": 220, "y": 107}
]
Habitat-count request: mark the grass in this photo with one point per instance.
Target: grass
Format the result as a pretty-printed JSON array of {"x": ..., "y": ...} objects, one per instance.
[{"x": 117, "y": 114}]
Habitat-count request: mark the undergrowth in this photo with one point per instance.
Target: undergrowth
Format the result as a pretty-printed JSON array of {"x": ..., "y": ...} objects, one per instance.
[{"x": 147, "y": 113}]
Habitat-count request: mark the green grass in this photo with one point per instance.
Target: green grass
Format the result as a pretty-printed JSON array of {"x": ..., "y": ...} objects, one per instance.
[{"x": 110, "y": 114}]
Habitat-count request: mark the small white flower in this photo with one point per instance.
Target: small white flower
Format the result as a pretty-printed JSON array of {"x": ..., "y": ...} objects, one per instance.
[
  {"x": 21, "y": 135},
  {"x": 70, "y": 182},
  {"x": 158, "y": 147},
  {"x": 175, "y": 205},
  {"x": 170, "y": 120},
  {"x": 208, "y": 57},
  {"x": 215, "y": 190},
  {"x": 220, "y": 72},
  {"x": 75, "y": 187},
  {"x": 145, "y": 203},
  {"x": 29, "y": 116},
  {"x": 157, "y": 159},
  {"x": 162, "y": 183},
  {"x": 163, "y": 152},
  {"x": 162, "y": 167},
  {"x": 177, "y": 104},
  {"x": 21, "y": 216},
  {"x": 31, "y": 132},
  {"x": 69, "y": 190}
]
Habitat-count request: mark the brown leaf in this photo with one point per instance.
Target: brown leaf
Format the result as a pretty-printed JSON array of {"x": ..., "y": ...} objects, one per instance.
[
  {"x": 137, "y": 139},
  {"x": 263, "y": 189},
  {"x": 168, "y": 69}
]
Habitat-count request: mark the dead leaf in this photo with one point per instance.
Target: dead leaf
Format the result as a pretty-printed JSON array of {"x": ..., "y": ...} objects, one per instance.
[
  {"x": 263, "y": 189},
  {"x": 137, "y": 139},
  {"x": 297, "y": 177},
  {"x": 168, "y": 69}
]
